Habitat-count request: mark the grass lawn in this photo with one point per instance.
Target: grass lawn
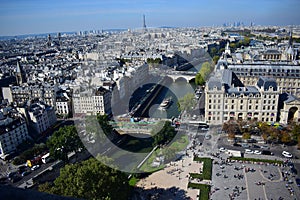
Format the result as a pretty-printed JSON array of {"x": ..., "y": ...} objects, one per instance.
[
  {"x": 133, "y": 181},
  {"x": 204, "y": 190},
  {"x": 207, "y": 168}
]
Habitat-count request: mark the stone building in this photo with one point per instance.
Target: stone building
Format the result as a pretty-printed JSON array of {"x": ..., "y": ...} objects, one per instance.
[
  {"x": 13, "y": 131},
  {"x": 226, "y": 98},
  {"x": 91, "y": 101}
]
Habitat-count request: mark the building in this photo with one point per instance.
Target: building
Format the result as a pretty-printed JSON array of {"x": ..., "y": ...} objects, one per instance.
[
  {"x": 41, "y": 116},
  {"x": 279, "y": 61},
  {"x": 91, "y": 101},
  {"x": 290, "y": 109},
  {"x": 20, "y": 95},
  {"x": 20, "y": 74},
  {"x": 227, "y": 98},
  {"x": 13, "y": 131},
  {"x": 286, "y": 74}
]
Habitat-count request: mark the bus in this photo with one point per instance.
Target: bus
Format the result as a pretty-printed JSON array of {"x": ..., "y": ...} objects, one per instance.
[{"x": 46, "y": 158}]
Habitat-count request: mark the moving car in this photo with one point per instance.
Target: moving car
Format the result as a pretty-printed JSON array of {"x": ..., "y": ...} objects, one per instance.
[
  {"x": 222, "y": 149},
  {"x": 35, "y": 167},
  {"x": 287, "y": 154}
]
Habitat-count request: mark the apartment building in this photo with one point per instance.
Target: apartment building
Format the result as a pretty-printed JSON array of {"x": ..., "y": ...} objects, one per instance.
[
  {"x": 91, "y": 101},
  {"x": 13, "y": 131}
]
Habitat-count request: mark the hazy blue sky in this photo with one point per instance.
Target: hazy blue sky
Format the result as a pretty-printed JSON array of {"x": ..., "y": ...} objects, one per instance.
[{"x": 40, "y": 16}]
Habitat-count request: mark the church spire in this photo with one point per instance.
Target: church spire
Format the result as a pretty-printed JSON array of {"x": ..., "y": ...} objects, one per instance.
[
  {"x": 291, "y": 38},
  {"x": 19, "y": 74}
]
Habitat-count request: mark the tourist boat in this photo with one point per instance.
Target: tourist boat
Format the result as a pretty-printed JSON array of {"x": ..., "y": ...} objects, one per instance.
[{"x": 166, "y": 103}]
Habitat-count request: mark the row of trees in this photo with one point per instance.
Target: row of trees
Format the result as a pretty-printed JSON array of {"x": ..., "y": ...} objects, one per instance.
[
  {"x": 240, "y": 43},
  {"x": 186, "y": 103},
  {"x": 90, "y": 179},
  {"x": 165, "y": 135},
  {"x": 203, "y": 73},
  {"x": 270, "y": 133},
  {"x": 154, "y": 61},
  {"x": 28, "y": 154},
  {"x": 63, "y": 142}
]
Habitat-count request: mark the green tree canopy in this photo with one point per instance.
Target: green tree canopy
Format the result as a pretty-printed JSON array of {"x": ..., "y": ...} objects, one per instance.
[
  {"x": 199, "y": 80},
  {"x": 90, "y": 179},
  {"x": 206, "y": 69},
  {"x": 187, "y": 102},
  {"x": 215, "y": 59},
  {"x": 165, "y": 135},
  {"x": 64, "y": 141}
]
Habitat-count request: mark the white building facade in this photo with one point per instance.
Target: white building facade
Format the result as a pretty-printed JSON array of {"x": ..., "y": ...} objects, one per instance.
[
  {"x": 13, "y": 131},
  {"x": 92, "y": 101},
  {"x": 226, "y": 98}
]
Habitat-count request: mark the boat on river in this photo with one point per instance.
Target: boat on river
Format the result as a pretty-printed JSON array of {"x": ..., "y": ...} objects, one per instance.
[{"x": 165, "y": 103}]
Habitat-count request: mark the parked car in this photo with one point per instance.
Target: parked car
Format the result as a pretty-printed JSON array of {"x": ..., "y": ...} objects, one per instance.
[
  {"x": 298, "y": 182},
  {"x": 207, "y": 137},
  {"x": 248, "y": 151},
  {"x": 287, "y": 154},
  {"x": 11, "y": 174},
  {"x": 245, "y": 145},
  {"x": 26, "y": 173},
  {"x": 267, "y": 152},
  {"x": 265, "y": 147},
  {"x": 257, "y": 152},
  {"x": 237, "y": 145}
]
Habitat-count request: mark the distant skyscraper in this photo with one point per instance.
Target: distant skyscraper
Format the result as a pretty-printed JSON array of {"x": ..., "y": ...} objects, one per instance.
[
  {"x": 49, "y": 41},
  {"x": 144, "y": 22}
]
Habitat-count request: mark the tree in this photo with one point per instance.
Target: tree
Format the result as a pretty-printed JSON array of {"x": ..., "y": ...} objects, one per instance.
[
  {"x": 91, "y": 179},
  {"x": 169, "y": 153},
  {"x": 232, "y": 46},
  {"x": 296, "y": 132},
  {"x": 64, "y": 141},
  {"x": 285, "y": 137},
  {"x": 45, "y": 187},
  {"x": 231, "y": 135},
  {"x": 213, "y": 51},
  {"x": 215, "y": 59},
  {"x": 187, "y": 102},
  {"x": 165, "y": 135},
  {"x": 246, "y": 136},
  {"x": 199, "y": 80}
]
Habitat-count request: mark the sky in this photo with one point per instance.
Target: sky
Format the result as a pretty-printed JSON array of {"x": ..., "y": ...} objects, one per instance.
[{"x": 19, "y": 17}]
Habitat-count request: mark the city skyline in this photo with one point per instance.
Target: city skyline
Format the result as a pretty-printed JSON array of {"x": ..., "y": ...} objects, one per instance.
[{"x": 33, "y": 17}]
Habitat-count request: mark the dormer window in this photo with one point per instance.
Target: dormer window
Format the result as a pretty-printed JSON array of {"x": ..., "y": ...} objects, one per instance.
[{"x": 271, "y": 88}]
